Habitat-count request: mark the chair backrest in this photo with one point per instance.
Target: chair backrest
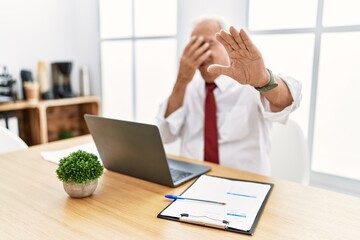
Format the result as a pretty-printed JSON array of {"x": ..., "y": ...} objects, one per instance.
[
  {"x": 289, "y": 153},
  {"x": 10, "y": 142}
]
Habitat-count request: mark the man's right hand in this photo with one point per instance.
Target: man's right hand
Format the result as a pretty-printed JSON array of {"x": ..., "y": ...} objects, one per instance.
[{"x": 195, "y": 53}]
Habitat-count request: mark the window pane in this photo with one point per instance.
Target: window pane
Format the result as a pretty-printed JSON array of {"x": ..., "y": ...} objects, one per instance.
[
  {"x": 117, "y": 90},
  {"x": 155, "y": 76},
  {"x": 115, "y": 18},
  {"x": 338, "y": 13},
  {"x": 155, "y": 18},
  {"x": 282, "y": 14},
  {"x": 337, "y": 129},
  {"x": 291, "y": 55}
]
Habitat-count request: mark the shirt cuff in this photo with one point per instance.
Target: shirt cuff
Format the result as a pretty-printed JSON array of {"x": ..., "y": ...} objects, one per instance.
[
  {"x": 173, "y": 122},
  {"x": 282, "y": 116}
]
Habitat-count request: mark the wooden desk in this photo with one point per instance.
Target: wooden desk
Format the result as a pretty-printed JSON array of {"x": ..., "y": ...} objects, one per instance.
[{"x": 33, "y": 205}]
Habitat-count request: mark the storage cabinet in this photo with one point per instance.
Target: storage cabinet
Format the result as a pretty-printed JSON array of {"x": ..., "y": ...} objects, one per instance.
[{"x": 51, "y": 120}]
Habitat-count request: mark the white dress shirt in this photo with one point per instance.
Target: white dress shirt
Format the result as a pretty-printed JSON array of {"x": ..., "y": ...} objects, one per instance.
[{"x": 243, "y": 118}]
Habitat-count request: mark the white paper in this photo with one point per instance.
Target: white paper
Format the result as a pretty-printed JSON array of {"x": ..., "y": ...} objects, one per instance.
[
  {"x": 243, "y": 201},
  {"x": 55, "y": 156}
]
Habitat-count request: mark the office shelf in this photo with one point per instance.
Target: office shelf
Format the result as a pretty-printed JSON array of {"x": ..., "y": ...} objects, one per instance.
[{"x": 49, "y": 120}]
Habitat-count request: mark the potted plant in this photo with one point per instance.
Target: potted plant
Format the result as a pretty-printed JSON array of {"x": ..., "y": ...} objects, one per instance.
[{"x": 79, "y": 172}]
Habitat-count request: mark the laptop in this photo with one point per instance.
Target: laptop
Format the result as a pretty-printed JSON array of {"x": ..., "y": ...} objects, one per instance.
[{"x": 136, "y": 149}]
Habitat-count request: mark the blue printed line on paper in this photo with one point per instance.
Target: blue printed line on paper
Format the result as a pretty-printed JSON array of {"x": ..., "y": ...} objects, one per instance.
[
  {"x": 236, "y": 215},
  {"x": 241, "y": 195}
]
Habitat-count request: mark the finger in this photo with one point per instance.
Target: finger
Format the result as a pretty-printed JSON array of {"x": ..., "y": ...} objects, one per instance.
[
  {"x": 229, "y": 39},
  {"x": 190, "y": 43},
  {"x": 227, "y": 46},
  {"x": 198, "y": 42},
  {"x": 219, "y": 69},
  {"x": 247, "y": 41},
  {"x": 202, "y": 49},
  {"x": 203, "y": 57},
  {"x": 236, "y": 36}
]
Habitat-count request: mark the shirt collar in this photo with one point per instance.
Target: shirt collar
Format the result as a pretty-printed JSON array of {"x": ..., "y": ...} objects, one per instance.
[{"x": 224, "y": 82}]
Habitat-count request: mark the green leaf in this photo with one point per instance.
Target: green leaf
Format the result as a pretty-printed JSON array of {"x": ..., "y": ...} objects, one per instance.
[{"x": 79, "y": 167}]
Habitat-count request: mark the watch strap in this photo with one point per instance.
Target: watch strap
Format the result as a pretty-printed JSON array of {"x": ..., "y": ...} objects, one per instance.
[{"x": 272, "y": 83}]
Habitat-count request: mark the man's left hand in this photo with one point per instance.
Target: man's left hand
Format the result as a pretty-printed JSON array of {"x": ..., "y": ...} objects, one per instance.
[{"x": 246, "y": 63}]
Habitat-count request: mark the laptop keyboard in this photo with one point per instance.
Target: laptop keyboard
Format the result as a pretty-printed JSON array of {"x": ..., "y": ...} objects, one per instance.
[{"x": 177, "y": 175}]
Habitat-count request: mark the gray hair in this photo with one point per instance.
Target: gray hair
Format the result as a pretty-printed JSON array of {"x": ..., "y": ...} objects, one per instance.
[{"x": 223, "y": 23}]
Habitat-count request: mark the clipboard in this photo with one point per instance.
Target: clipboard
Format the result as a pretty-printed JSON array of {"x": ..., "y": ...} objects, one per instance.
[{"x": 251, "y": 196}]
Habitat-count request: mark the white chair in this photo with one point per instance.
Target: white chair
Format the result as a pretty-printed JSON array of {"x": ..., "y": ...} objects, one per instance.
[
  {"x": 289, "y": 153},
  {"x": 10, "y": 142}
]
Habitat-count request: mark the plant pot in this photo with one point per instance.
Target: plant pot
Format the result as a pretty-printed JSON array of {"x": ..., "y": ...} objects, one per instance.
[{"x": 80, "y": 190}]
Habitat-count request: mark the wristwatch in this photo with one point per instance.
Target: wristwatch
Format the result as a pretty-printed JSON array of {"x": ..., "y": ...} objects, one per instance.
[{"x": 272, "y": 83}]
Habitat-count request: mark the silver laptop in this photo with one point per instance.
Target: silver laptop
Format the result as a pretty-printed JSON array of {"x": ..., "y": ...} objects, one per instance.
[{"x": 136, "y": 149}]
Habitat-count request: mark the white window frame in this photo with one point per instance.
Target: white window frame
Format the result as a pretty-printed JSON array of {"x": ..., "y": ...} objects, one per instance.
[
  {"x": 331, "y": 182},
  {"x": 133, "y": 39}
]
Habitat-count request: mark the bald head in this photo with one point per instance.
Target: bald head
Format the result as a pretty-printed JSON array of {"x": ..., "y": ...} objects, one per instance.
[{"x": 222, "y": 22}]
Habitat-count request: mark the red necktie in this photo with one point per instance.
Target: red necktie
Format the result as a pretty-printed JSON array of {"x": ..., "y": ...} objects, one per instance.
[{"x": 211, "y": 146}]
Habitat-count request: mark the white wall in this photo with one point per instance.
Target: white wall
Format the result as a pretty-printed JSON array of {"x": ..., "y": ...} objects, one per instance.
[
  {"x": 62, "y": 30},
  {"x": 188, "y": 10},
  {"x": 87, "y": 41},
  {"x": 50, "y": 30}
]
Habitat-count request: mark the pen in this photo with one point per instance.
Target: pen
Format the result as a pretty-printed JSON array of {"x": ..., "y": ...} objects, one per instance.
[
  {"x": 204, "y": 220},
  {"x": 193, "y": 199}
]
